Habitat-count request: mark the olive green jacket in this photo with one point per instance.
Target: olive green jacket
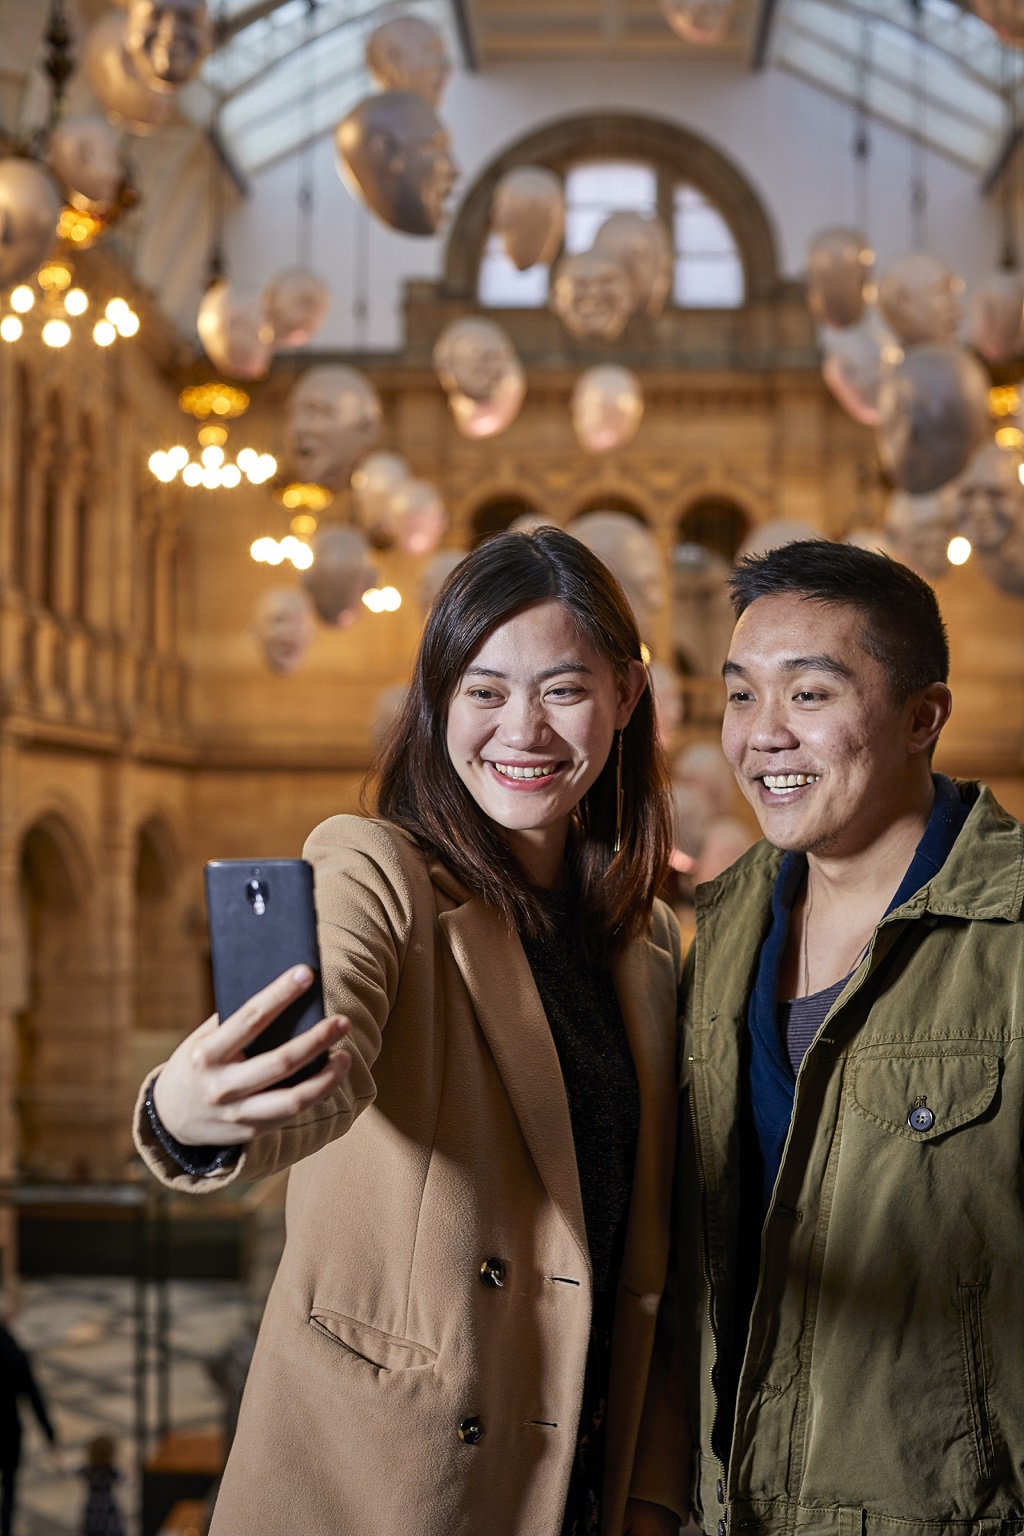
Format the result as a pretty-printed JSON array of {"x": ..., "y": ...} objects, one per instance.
[{"x": 882, "y": 1386}]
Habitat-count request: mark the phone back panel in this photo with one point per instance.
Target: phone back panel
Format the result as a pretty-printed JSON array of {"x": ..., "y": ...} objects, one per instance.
[{"x": 262, "y": 918}]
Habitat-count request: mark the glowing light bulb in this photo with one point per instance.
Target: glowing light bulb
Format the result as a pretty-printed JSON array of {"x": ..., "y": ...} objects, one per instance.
[
  {"x": 76, "y": 301},
  {"x": 371, "y": 597},
  {"x": 274, "y": 553},
  {"x": 230, "y": 476},
  {"x": 177, "y": 456},
  {"x": 22, "y": 299},
  {"x": 302, "y": 558},
  {"x": 258, "y": 549},
  {"x": 211, "y": 477},
  {"x": 391, "y": 599},
  {"x": 162, "y": 467},
  {"x": 11, "y": 328},
  {"x": 103, "y": 333},
  {"x": 246, "y": 459},
  {"x": 213, "y": 456},
  {"x": 959, "y": 551},
  {"x": 192, "y": 474},
  {"x": 56, "y": 333},
  {"x": 268, "y": 465},
  {"x": 129, "y": 324},
  {"x": 117, "y": 311}
]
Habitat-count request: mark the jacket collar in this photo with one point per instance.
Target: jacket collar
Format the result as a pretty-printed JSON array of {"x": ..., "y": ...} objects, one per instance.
[{"x": 982, "y": 878}]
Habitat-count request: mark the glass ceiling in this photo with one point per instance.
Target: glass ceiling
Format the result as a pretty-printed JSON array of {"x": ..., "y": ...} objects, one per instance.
[
  {"x": 938, "y": 74},
  {"x": 289, "y": 71}
]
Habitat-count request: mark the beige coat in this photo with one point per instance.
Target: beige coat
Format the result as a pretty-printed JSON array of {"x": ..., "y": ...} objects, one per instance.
[{"x": 448, "y": 1145}]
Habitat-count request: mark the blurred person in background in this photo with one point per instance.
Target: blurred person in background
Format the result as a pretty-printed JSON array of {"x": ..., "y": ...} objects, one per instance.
[{"x": 17, "y": 1384}]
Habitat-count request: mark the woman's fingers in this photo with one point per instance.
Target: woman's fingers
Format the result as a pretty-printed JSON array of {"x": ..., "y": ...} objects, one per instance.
[
  {"x": 277, "y": 1106},
  {"x": 224, "y": 1043},
  {"x": 237, "y": 1079}
]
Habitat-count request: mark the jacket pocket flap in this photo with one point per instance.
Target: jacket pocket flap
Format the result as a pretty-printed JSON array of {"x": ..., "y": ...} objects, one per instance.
[
  {"x": 384, "y": 1350},
  {"x": 923, "y": 1097}
]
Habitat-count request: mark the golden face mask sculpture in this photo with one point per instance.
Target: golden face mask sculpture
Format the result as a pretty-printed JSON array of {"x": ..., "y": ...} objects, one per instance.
[
  {"x": 283, "y": 628},
  {"x": 333, "y": 418},
  {"x": 630, "y": 551},
  {"x": 839, "y": 265},
  {"x": 592, "y": 296},
  {"x": 341, "y": 572},
  {"x": 921, "y": 298},
  {"x": 84, "y": 151},
  {"x": 934, "y": 413},
  {"x": 528, "y": 212},
  {"x": 128, "y": 100},
  {"x": 396, "y": 153},
  {"x": 167, "y": 41},
  {"x": 996, "y": 317},
  {"x": 472, "y": 356},
  {"x": 642, "y": 247},
  {"x": 606, "y": 406},
  {"x": 295, "y": 303},
  {"x": 408, "y": 54},
  {"x": 29, "y": 209},
  {"x": 235, "y": 334}
]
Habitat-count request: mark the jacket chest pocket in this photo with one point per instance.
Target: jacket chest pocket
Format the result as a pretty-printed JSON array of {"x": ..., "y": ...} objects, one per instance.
[{"x": 921, "y": 1096}]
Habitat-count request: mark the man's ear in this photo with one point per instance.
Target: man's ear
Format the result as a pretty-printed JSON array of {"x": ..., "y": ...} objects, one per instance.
[{"x": 929, "y": 712}]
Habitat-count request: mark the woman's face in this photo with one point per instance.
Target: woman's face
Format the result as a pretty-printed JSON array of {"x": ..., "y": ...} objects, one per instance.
[{"x": 532, "y": 722}]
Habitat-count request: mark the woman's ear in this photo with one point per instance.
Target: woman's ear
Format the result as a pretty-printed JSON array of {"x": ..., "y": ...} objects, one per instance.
[{"x": 631, "y": 686}]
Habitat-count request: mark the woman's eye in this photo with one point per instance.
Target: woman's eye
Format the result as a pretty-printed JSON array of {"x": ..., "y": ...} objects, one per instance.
[
  {"x": 565, "y": 691},
  {"x": 483, "y": 695}
]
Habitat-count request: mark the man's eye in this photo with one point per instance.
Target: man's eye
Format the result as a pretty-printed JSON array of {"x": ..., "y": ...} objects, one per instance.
[
  {"x": 808, "y": 696},
  {"x": 736, "y": 696}
]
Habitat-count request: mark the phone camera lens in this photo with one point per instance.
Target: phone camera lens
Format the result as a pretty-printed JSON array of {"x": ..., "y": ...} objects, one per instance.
[{"x": 257, "y": 893}]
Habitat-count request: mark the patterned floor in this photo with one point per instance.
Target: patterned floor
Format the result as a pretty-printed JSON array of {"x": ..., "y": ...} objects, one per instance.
[{"x": 80, "y": 1334}]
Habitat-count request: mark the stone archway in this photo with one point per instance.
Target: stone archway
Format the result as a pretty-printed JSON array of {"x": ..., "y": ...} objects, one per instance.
[
  {"x": 628, "y": 136},
  {"x": 63, "y": 1070}
]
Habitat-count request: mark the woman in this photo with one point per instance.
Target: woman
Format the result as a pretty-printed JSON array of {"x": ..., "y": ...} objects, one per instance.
[{"x": 459, "y": 1336}]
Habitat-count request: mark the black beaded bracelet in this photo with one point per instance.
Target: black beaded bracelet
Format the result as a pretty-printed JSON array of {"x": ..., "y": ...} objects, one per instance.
[{"x": 196, "y": 1161}]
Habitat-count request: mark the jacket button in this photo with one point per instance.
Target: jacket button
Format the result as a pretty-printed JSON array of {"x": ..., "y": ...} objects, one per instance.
[
  {"x": 921, "y": 1118},
  {"x": 471, "y": 1430},
  {"x": 492, "y": 1274},
  {"x": 720, "y": 1491}
]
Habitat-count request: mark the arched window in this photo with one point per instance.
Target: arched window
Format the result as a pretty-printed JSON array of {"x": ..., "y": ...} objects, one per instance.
[
  {"x": 716, "y": 524},
  {"x": 496, "y": 515},
  {"x": 707, "y": 267}
]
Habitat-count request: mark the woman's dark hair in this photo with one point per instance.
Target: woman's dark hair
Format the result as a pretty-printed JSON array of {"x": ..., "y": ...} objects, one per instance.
[
  {"x": 419, "y": 789},
  {"x": 902, "y": 625}
]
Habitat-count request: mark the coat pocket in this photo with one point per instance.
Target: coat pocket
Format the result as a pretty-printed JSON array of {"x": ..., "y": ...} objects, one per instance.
[
  {"x": 385, "y": 1351},
  {"x": 921, "y": 1097},
  {"x": 976, "y": 1375}
]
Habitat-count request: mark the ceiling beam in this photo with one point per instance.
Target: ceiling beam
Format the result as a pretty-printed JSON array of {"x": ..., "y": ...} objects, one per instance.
[{"x": 762, "y": 33}]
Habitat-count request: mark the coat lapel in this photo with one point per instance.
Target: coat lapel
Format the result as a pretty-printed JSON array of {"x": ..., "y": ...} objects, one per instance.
[{"x": 508, "y": 1008}]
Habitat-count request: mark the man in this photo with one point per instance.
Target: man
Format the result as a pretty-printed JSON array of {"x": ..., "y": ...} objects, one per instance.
[
  {"x": 16, "y": 1381},
  {"x": 852, "y": 1189}
]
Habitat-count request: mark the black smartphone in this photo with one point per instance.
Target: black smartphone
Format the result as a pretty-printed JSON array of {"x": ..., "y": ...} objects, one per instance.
[{"x": 262, "y": 917}]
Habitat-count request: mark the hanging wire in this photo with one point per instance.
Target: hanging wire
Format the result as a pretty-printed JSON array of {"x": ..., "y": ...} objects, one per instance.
[
  {"x": 1007, "y": 199},
  {"x": 304, "y": 233},
  {"x": 918, "y": 181},
  {"x": 862, "y": 131}
]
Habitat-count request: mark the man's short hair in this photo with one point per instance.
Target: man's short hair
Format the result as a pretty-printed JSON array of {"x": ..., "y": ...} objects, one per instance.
[{"x": 903, "y": 628}]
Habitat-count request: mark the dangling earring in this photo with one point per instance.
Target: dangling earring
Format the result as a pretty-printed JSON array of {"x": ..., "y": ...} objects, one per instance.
[{"x": 618, "y": 798}]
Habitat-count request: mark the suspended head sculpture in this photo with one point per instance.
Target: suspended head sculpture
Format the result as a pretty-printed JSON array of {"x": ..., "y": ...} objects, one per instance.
[
  {"x": 934, "y": 413},
  {"x": 921, "y": 298},
  {"x": 167, "y": 41},
  {"x": 592, "y": 295},
  {"x": 129, "y": 101},
  {"x": 705, "y": 22},
  {"x": 397, "y": 153},
  {"x": 282, "y": 627},
  {"x": 295, "y": 303},
  {"x": 473, "y": 356},
  {"x": 341, "y": 572},
  {"x": 989, "y": 498},
  {"x": 85, "y": 153},
  {"x": 995, "y": 318},
  {"x": 29, "y": 210},
  {"x": 374, "y": 483},
  {"x": 642, "y": 247},
  {"x": 528, "y": 211},
  {"x": 839, "y": 264},
  {"x": 235, "y": 333},
  {"x": 420, "y": 517},
  {"x": 920, "y": 528},
  {"x": 435, "y": 574},
  {"x": 1005, "y": 568},
  {"x": 855, "y": 362},
  {"x": 773, "y": 535},
  {"x": 486, "y": 418},
  {"x": 631, "y": 553},
  {"x": 333, "y": 418},
  {"x": 606, "y": 406},
  {"x": 408, "y": 54}
]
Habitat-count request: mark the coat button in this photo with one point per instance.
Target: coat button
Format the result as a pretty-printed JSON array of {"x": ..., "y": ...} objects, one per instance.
[
  {"x": 720, "y": 1491},
  {"x": 921, "y": 1118},
  {"x": 471, "y": 1430},
  {"x": 492, "y": 1274}
]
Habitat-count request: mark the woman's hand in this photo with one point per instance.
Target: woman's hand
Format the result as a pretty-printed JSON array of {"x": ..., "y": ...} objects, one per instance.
[
  {"x": 210, "y": 1095},
  {"x": 643, "y": 1519}
]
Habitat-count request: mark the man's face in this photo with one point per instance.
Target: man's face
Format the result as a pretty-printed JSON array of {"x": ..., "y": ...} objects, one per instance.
[{"x": 805, "y": 702}]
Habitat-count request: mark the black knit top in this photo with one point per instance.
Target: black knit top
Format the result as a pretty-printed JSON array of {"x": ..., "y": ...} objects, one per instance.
[{"x": 600, "y": 1083}]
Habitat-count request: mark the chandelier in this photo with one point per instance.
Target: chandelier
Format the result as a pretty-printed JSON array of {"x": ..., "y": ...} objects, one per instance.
[
  {"x": 212, "y": 404},
  {"x": 55, "y": 302}
]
